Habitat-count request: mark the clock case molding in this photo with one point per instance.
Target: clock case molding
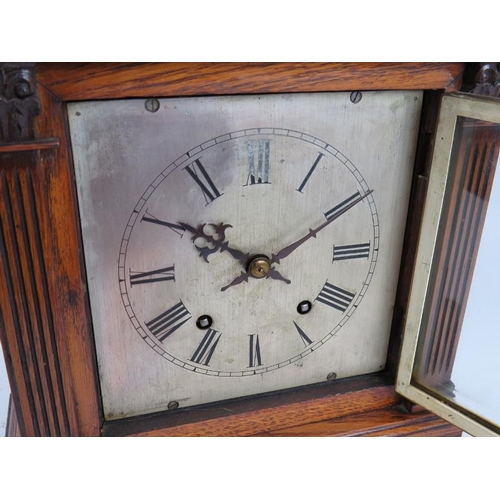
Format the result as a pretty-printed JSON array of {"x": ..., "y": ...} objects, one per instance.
[{"x": 45, "y": 324}]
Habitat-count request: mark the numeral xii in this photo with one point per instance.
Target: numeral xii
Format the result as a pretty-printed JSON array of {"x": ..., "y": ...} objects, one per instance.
[{"x": 258, "y": 161}]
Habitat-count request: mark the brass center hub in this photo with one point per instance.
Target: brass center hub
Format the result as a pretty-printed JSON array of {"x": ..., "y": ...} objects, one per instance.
[{"x": 259, "y": 267}]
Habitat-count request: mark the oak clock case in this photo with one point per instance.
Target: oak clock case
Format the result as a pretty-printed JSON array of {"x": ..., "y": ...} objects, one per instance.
[{"x": 240, "y": 245}]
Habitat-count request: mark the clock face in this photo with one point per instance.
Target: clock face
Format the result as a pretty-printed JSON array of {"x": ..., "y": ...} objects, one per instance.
[
  {"x": 240, "y": 245},
  {"x": 187, "y": 252}
]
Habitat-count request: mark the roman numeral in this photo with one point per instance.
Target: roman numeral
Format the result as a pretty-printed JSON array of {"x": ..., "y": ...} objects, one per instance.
[
  {"x": 332, "y": 212},
  {"x": 169, "y": 321},
  {"x": 210, "y": 192},
  {"x": 335, "y": 297},
  {"x": 254, "y": 352},
  {"x": 205, "y": 350},
  {"x": 311, "y": 170},
  {"x": 165, "y": 274},
  {"x": 258, "y": 161},
  {"x": 344, "y": 252},
  {"x": 147, "y": 217},
  {"x": 307, "y": 341}
]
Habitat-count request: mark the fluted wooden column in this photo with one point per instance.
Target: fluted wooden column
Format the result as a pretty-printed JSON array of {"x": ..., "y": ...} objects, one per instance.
[{"x": 49, "y": 356}]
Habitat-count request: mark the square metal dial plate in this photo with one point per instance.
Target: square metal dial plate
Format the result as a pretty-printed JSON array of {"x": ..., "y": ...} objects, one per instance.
[{"x": 176, "y": 198}]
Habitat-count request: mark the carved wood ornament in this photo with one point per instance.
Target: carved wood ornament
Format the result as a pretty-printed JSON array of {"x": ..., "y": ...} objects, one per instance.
[
  {"x": 18, "y": 102},
  {"x": 488, "y": 80}
]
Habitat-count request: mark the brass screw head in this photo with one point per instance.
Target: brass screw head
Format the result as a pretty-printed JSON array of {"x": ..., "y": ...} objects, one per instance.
[{"x": 259, "y": 267}]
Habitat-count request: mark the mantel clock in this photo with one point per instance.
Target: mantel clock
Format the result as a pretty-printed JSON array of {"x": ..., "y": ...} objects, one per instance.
[{"x": 206, "y": 257}]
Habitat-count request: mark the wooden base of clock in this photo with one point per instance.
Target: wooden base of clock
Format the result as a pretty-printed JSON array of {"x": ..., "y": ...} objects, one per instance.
[
  {"x": 356, "y": 407},
  {"x": 45, "y": 325},
  {"x": 352, "y": 409}
]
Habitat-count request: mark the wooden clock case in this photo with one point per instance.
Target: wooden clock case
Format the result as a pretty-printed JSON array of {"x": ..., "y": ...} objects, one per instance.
[{"x": 45, "y": 324}]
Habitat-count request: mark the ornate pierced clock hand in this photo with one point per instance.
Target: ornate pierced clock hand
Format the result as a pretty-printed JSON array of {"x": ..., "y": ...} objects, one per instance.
[
  {"x": 218, "y": 244},
  {"x": 285, "y": 252}
]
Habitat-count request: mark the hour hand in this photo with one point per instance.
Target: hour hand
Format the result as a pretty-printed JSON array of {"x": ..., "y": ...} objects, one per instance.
[
  {"x": 237, "y": 254},
  {"x": 214, "y": 242}
]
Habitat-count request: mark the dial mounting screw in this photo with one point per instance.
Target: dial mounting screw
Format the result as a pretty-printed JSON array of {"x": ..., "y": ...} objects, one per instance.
[
  {"x": 152, "y": 105},
  {"x": 173, "y": 405},
  {"x": 331, "y": 376},
  {"x": 356, "y": 97}
]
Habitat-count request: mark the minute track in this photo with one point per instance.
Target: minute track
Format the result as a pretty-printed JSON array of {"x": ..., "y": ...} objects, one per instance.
[{"x": 211, "y": 237}]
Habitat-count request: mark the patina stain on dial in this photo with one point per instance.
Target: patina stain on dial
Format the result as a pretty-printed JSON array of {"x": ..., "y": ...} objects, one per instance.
[
  {"x": 249, "y": 203},
  {"x": 243, "y": 244}
]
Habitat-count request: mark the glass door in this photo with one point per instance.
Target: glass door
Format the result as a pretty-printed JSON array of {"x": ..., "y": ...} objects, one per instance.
[{"x": 450, "y": 360}]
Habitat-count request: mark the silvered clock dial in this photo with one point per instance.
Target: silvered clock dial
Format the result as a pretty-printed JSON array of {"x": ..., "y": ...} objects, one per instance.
[
  {"x": 249, "y": 242},
  {"x": 253, "y": 243}
]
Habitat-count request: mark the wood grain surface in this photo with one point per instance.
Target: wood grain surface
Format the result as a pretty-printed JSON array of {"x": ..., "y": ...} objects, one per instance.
[
  {"x": 12, "y": 429},
  {"x": 87, "y": 81},
  {"x": 365, "y": 405},
  {"x": 277, "y": 416},
  {"x": 45, "y": 329},
  {"x": 389, "y": 422},
  {"x": 61, "y": 240},
  {"x": 17, "y": 147}
]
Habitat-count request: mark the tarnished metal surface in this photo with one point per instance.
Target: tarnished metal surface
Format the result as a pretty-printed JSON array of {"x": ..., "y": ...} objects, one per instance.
[{"x": 176, "y": 202}]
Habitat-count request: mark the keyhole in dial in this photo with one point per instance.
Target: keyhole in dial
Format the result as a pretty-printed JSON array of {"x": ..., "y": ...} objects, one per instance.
[
  {"x": 304, "y": 307},
  {"x": 204, "y": 322}
]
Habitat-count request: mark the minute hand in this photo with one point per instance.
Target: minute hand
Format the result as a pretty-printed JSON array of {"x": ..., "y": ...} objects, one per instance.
[{"x": 285, "y": 252}]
